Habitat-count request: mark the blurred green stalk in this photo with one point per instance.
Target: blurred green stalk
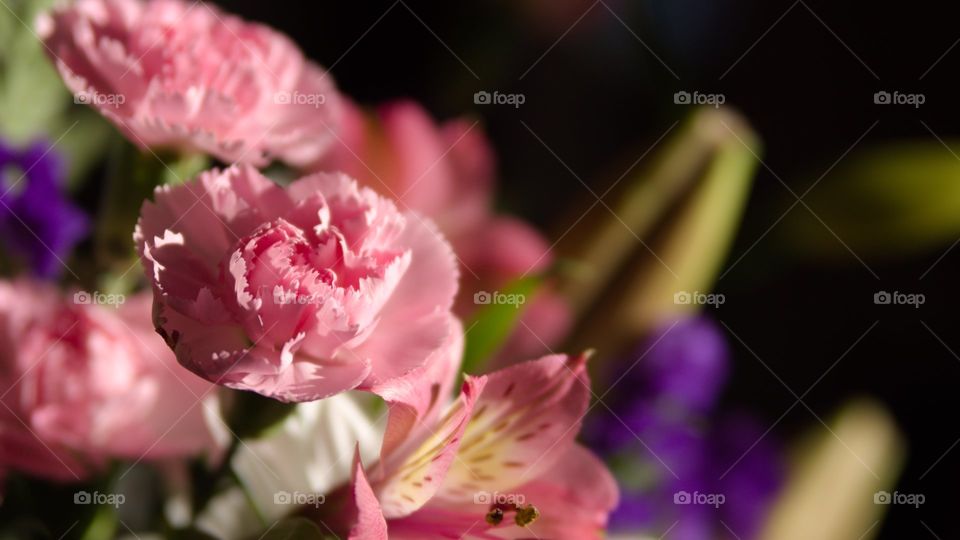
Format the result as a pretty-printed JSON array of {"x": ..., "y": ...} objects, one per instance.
[{"x": 883, "y": 202}]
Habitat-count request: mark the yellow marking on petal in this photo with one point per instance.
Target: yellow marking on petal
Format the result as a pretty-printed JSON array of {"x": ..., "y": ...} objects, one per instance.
[{"x": 482, "y": 457}]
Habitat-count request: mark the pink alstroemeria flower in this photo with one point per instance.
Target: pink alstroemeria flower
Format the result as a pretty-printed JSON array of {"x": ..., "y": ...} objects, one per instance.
[
  {"x": 184, "y": 75},
  {"x": 448, "y": 172},
  {"x": 83, "y": 383},
  {"x": 501, "y": 461},
  {"x": 296, "y": 292}
]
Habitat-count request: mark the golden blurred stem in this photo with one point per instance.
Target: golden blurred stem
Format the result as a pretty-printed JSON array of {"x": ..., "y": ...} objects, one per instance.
[
  {"x": 687, "y": 248},
  {"x": 602, "y": 242},
  {"x": 831, "y": 488}
]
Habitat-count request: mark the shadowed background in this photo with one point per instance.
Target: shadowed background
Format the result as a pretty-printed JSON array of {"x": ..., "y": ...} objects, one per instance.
[{"x": 599, "y": 81}]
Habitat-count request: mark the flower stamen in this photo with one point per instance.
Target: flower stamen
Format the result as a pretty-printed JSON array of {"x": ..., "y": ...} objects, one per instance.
[{"x": 524, "y": 515}]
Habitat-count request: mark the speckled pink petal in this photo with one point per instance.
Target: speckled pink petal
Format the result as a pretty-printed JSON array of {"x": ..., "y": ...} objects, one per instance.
[
  {"x": 416, "y": 399},
  {"x": 574, "y": 498},
  {"x": 416, "y": 478},
  {"x": 524, "y": 420},
  {"x": 367, "y": 519}
]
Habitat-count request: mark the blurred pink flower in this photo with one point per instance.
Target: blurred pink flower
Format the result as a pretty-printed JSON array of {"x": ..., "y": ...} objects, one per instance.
[
  {"x": 447, "y": 172},
  {"x": 501, "y": 461},
  {"x": 296, "y": 293},
  {"x": 185, "y": 75},
  {"x": 84, "y": 382}
]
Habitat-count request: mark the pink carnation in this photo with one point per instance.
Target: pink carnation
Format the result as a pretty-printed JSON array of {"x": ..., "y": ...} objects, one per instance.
[
  {"x": 185, "y": 75},
  {"x": 84, "y": 383},
  {"x": 296, "y": 293}
]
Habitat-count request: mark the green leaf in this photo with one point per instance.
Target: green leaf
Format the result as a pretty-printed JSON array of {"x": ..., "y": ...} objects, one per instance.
[
  {"x": 184, "y": 167},
  {"x": 190, "y": 534},
  {"x": 103, "y": 525},
  {"x": 251, "y": 414},
  {"x": 294, "y": 528},
  {"x": 32, "y": 96},
  {"x": 493, "y": 323},
  {"x": 132, "y": 177}
]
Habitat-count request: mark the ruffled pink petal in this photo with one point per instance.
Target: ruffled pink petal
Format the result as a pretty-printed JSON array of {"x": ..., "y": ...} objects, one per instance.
[
  {"x": 184, "y": 233},
  {"x": 305, "y": 130},
  {"x": 223, "y": 355},
  {"x": 87, "y": 382},
  {"x": 416, "y": 318},
  {"x": 299, "y": 292},
  {"x": 220, "y": 85}
]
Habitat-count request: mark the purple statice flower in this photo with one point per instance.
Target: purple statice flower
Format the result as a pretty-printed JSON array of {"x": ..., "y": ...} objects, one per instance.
[
  {"x": 749, "y": 470},
  {"x": 687, "y": 364},
  {"x": 668, "y": 400},
  {"x": 38, "y": 224},
  {"x": 675, "y": 374}
]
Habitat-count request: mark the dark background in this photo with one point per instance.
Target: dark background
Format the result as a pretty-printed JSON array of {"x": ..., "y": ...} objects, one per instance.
[{"x": 600, "y": 97}]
